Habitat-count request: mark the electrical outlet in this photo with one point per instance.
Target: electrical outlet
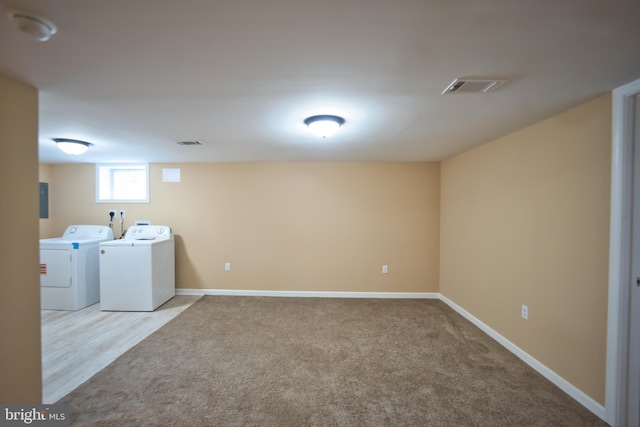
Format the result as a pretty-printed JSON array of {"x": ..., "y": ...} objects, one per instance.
[
  {"x": 227, "y": 266},
  {"x": 122, "y": 213},
  {"x": 525, "y": 312},
  {"x": 112, "y": 212},
  {"x": 385, "y": 269}
]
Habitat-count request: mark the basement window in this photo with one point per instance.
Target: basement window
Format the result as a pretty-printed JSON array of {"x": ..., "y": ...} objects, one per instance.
[{"x": 122, "y": 183}]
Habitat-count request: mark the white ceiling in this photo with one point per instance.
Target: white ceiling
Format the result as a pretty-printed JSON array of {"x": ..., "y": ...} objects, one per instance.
[{"x": 135, "y": 76}]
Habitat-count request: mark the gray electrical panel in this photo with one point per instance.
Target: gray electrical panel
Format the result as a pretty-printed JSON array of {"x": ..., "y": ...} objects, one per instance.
[{"x": 44, "y": 200}]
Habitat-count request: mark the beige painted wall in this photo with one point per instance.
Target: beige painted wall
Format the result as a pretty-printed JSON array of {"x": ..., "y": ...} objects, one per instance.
[
  {"x": 525, "y": 220},
  {"x": 282, "y": 226},
  {"x": 20, "y": 367}
]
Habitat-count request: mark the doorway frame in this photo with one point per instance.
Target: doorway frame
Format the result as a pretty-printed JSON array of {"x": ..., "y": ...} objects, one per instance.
[{"x": 620, "y": 252}]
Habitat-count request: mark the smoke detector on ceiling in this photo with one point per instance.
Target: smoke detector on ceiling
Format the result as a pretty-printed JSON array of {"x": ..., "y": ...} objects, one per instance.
[
  {"x": 34, "y": 26},
  {"x": 473, "y": 86}
]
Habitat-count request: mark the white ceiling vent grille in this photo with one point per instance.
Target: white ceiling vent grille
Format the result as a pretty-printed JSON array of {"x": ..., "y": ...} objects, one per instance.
[
  {"x": 189, "y": 143},
  {"x": 472, "y": 86}
]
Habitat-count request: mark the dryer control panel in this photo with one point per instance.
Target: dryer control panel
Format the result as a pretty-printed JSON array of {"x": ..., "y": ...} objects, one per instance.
[
  {"x": 86, "y": 232},
  {"x": 149, "y": 232}
]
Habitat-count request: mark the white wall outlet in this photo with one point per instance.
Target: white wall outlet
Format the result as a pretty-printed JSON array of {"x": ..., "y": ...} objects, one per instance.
[
  {"x": 112, "y": 212},
  {"x": 122, "y": 213},
  {"x": 227, "y": 266},
  {"x": 385, "y": 269},
  {"x": 525, "y": 312}
]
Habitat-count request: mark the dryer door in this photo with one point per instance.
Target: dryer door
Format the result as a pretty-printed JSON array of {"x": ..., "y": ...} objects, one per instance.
[{"x": 55, "y": 268}]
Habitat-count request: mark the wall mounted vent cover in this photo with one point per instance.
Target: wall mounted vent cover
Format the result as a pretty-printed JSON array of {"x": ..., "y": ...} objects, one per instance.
[
  {"x": 473, "y": 86},
  {"x": 189, "y": 143}
]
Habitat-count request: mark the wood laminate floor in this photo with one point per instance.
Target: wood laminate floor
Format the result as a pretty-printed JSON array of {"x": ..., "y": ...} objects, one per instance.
[{"x": 78, "y": 344}]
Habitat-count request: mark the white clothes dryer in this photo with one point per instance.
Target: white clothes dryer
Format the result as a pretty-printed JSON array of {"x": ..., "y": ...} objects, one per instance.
[
  {"x": 137, "y": 272},
  {"x": 69, "y": 268}
]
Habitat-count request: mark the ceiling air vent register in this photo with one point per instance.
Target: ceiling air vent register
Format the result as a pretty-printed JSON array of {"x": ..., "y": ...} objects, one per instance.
[
  {"x": 473, "y": 86},
  {"x": 189, "y": 143}
]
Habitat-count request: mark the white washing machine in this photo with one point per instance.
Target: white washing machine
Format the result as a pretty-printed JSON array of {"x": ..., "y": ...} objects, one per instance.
[
  {"x": 137, "y": 272},
  {"x": 69, "y": 267}
]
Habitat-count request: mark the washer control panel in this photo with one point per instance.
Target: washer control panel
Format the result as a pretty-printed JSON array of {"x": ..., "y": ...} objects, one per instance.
[{"x": 149, "y": 232}]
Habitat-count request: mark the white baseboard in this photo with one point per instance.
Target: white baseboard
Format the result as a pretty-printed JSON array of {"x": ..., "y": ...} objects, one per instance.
[
  {"x": 309, "y": 294},
  {"x": 556, "y": 379}
]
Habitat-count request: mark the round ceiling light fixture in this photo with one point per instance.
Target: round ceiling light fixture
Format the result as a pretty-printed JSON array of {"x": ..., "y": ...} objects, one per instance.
[
  {"x": 72, "y": 146},
  {"x": 324, "y": 125},
  {"x": 35, "y": 26}
]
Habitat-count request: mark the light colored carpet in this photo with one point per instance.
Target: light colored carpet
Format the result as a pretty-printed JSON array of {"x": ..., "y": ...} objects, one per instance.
[{"x": 260, "y": 361}]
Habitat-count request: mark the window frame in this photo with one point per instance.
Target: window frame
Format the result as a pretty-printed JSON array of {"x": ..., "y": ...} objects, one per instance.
[{"x": 121, "y": 166}]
